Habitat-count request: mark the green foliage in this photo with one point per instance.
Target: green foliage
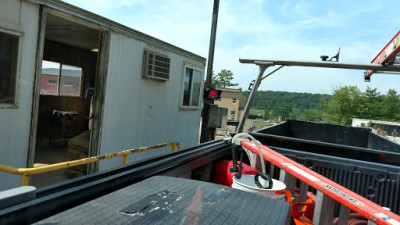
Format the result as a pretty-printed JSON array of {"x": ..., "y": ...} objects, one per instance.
[
  {"x": 282, "y": 111},
  {"x": 372, "y": 104},
  {"x": 302, "y": 101},
  {"x": 312, "y": 115},
  {"x": 344, "y": 106},
  {"x": 266, "y": 114},
  {"x": 223, "y": 79},
  {"x": 288, "y": 105},
  {"x": 349, "y": 102},
  {"x": 391, "y": 101}
]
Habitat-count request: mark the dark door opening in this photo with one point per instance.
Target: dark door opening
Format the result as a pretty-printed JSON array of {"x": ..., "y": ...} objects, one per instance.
[{"x": 69, "y": 71}]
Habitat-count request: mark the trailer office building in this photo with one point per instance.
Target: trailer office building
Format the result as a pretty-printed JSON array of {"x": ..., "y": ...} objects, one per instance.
[{"x": 69, "y": 73}]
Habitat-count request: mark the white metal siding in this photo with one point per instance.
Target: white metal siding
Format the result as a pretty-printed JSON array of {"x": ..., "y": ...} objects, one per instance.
[
  {"x": 141, "y": 112},
  {"x": 22, "y": 17}
]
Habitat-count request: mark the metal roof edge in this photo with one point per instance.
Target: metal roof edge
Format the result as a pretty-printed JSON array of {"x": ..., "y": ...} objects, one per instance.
[
  {"x": 114, "y": 26},
  {"x": 229, "y": 89},
  {"x": 232, "y": 90}
]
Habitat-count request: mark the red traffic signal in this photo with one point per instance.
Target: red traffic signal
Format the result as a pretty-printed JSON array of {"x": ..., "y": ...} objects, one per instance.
[{"x": 211, "y": 94}]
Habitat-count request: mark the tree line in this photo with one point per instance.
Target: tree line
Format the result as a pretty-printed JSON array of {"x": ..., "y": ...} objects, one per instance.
[
  {"x": 341, "y": 107},
  {"x": 349, "y": 102},
  {"x": 301, "y": 101}
]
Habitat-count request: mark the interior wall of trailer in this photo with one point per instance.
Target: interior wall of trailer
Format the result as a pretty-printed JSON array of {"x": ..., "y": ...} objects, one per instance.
[
  {"x": 140, "y": 111},
  {"x": 71, "y": 56},
  {"x": 23, "y": 18}
]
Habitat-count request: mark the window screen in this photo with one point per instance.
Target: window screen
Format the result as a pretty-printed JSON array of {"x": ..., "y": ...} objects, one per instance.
[{"x": 8, "y": 65}]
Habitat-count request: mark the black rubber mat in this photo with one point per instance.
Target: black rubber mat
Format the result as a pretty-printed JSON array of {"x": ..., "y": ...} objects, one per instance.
[{"x": 171, "y": 200}]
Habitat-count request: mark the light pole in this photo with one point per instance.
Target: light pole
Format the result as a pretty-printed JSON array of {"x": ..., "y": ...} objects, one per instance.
[{"x": 207, "y": 132}]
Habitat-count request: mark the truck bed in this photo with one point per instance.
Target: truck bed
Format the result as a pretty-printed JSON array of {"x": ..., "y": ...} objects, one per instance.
[{"x": 346, "y": 155}]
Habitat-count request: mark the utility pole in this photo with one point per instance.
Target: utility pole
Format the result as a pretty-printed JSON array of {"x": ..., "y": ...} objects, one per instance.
[{"x": 207, "y": 133}]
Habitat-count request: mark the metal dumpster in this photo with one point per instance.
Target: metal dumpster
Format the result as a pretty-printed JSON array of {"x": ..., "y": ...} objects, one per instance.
[{"x": 328, "y": 139}]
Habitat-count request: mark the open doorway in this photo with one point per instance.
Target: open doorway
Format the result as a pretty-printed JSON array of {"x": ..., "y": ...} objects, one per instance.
[{"x": 67, "y": 87}]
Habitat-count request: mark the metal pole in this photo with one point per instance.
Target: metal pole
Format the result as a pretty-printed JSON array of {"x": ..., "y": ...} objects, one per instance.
[
  {"x": 212, "y": 42},
  {"x": 205, "y": 130},
  {"x": 337, "y": 65},
  {"x": 271, "y": 73},
  {"x": 263, "y": 67}
]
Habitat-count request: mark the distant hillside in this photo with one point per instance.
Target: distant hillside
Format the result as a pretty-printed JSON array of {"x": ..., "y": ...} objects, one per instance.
[{"x": 302, "y": 101}]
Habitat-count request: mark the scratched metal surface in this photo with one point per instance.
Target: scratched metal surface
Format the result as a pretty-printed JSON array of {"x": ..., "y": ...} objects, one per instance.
[{"x": 170, "y": 200}]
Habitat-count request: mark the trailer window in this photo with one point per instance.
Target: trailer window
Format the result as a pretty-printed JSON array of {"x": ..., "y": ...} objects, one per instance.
[
  {"x": 60, "y": 79},
  {"x": 8, "y": 65},
  {"x": 192, "y": 87}
]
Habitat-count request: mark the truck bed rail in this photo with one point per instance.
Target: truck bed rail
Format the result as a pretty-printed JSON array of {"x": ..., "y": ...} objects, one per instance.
[
  {"x": 59, "y": 197},
  {"x": 328, "y": 192}
]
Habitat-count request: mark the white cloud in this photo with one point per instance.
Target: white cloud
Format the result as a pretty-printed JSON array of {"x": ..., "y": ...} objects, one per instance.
[
  {"x": 96, "y": 6},
  {"x": 299, "y": 30}
]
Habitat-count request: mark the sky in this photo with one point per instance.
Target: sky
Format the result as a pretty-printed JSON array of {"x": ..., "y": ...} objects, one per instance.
[{"x": 270, "y": 29}]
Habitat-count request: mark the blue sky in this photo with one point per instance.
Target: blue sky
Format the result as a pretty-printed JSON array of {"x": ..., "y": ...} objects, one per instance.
[{"x": 262, "y": 29}]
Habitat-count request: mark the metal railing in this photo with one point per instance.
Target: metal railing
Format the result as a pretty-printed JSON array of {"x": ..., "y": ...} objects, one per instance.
[{"x": 26, "y": 172}]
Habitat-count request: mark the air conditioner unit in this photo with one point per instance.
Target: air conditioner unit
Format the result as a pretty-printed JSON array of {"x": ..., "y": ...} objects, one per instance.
[{"x": 155, "y": 66}]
